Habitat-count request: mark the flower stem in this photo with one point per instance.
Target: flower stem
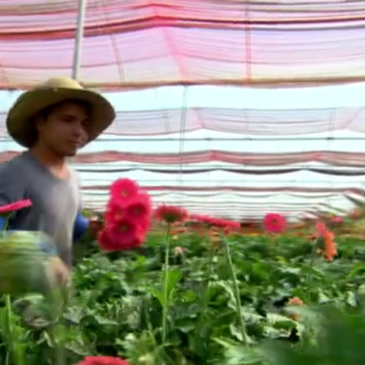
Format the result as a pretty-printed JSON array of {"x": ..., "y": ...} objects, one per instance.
[
  {"x": 236, "y": 291},
  {"x": 207, "y": 282},
  {"x": 14, "y": 356},
  {"x": 165, "y": 307},
  {"x": 311, "y": 265}
]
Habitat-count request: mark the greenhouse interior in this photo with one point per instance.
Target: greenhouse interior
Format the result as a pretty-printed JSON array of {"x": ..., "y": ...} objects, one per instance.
[{"x": 243, "y": 122}]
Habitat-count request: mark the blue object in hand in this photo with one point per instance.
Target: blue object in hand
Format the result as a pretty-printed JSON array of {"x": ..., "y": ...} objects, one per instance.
[{"x": 80, "y": 228}]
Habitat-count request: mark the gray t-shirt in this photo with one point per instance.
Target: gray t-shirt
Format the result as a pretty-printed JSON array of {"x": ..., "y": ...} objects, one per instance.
[{"x": 55, "y": 202}]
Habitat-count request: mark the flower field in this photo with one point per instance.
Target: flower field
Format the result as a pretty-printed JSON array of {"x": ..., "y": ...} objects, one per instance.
[{"x": 224, "y": 297}]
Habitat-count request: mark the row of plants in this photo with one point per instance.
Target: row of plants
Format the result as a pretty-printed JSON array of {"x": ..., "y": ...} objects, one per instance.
[
  {"x": 117, "y": 302},
  {"x": 192, "y": 291}
]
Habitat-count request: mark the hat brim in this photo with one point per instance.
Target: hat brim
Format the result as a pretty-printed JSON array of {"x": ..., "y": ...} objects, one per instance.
[{"x": 20, "y": 124}]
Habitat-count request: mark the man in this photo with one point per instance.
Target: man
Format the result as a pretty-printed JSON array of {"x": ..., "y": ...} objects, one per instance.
[{"x": 52, "y": 121}]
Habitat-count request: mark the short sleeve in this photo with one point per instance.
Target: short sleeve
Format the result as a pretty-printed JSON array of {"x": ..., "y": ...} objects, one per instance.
[{"x": 12, "y": 185}]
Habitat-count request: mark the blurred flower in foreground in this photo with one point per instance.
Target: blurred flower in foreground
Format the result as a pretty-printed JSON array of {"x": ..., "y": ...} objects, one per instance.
[
  {"x": 127, "y": 218},
  {"x": 274, "y": 223},
  {"x": 24, "y": 266},
  {"x": 170, "y": 214},
  {"x": 102, "y": 360}
]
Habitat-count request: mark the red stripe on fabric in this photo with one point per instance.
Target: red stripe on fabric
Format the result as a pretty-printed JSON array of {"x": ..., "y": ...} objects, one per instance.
[{"x": 335, "y": 158}]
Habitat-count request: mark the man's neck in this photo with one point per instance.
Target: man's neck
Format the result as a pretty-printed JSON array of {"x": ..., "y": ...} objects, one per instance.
[{"x": 48, "y": 158}]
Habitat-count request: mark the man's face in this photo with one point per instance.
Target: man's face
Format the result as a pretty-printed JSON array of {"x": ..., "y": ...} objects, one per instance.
[{"x": 63, "y": 129}]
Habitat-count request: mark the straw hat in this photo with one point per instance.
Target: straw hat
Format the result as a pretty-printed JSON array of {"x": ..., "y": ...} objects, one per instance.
[{"x": 20, "y": 117}]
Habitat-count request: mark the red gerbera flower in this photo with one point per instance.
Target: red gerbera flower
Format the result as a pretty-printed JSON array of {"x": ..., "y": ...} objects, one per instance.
[
  {"x": 139, "y": 209},
  {"x": 274, "y": 223},
  {"x": 20, "y": 204},
  {"x": 123, "y": 189},
  {"x": 102, "y": 360},
  {"x": 123, "y": 235},
  {"x": 114, "y": 212},
  {"x": 171, "y": 214}
]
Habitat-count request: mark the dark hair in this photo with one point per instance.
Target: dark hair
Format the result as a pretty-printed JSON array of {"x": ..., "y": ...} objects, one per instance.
[{"x": 45, "y": 113}]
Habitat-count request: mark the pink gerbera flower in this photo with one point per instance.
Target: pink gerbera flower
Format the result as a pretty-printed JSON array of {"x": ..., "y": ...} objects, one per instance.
[
  {"x": 18, "y": 205},
  {"x": 123, "y": 190},
  {"x": 274, "y": 223}
]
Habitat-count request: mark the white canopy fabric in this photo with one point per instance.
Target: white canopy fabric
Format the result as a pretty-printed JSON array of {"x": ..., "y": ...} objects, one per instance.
[
  {"x": 290, "y": 151},
  {"x": 139, "y": 43}
]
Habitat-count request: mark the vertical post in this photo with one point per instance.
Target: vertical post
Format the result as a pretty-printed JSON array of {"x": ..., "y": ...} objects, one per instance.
[{"x": 78, "y": 39}]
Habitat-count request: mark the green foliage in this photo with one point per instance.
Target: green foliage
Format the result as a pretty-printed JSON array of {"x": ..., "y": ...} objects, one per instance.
[{"x": 117, "y": 303}]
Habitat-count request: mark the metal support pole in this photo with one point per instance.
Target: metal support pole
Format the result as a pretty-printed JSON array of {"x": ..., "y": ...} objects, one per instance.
[{"x": 78, "y": 39}]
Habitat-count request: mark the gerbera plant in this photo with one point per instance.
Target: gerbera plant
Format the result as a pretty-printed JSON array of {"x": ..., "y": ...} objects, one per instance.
[
  {"x": 217, "y": 234},
  {"x": 169, "y": 215}
]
